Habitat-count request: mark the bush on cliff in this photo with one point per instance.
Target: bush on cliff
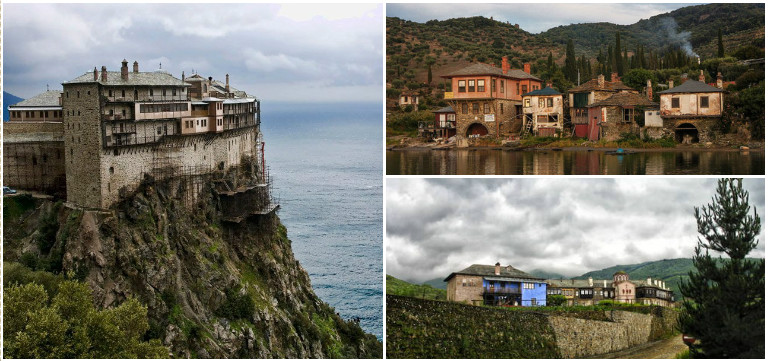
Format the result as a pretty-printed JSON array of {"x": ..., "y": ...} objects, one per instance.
[{"x": 67, "y": 325}]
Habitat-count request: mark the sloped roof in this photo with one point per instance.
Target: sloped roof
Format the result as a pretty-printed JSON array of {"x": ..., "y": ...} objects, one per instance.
[
  {"x": 607, "y": 86},
  {"x": 545, "y": 91},
  {"x": 486, "y": 270},
  {"x": 156, "y": 78},
  {"x": 692, "y": 86},
  {"x": 48, "y": 98},
  {"x": 624, "y": 98},
  {"x": 448, "y": 109},
  {"x": 595, "y": 283},
  {"x": 486, "y": 69}
]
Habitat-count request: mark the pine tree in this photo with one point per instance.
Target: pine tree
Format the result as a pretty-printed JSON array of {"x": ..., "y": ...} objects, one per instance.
[
  {"x": 570, "y": 62},
  {"x": 724, "y": 307},
  {"x": 720, "y": 48}
]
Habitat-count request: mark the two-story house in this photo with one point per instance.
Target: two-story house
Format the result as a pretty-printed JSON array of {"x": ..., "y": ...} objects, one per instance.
[
  {"x": 489, "y": 100},
  {"x": 581, "y": 292},
  {"x": 496, "y": 286},
  {"x": 622, "y": 112},
  {"x": 691, "y": 110},
  {"x": 585, "y": 124},
  {"x": 543, "y": 109}
]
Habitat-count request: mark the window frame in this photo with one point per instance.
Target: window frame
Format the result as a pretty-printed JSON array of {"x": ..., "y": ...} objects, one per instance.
[
  {"x": 481, "y": 85},
  {"x": 462, "y": 86}
]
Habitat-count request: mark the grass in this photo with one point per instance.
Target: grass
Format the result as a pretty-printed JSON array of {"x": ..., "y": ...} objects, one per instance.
[
  {"x": 402, "y": 288},
  {"x": 684, "y": 354}
]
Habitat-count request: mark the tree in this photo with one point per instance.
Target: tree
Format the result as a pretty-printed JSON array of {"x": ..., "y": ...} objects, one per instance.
[
  {"x": 570, "y": 62},
  {"x": 637, "y": 78},
  {"x": 556, "y": 300},
  {"x": 720, "y": 48},
  {"x": 429, "y": 61},
  {"x": 724, "y": 307},
  {"x": 69, "y": 326},
  {"x": 619, "y": 60}
]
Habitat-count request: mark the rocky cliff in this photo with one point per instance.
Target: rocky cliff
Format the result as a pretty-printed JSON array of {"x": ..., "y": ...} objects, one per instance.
[{"x": 214, "y": 289}]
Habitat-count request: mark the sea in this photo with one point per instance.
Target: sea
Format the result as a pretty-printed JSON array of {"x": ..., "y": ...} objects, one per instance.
[{"x": 326, "y": 166}]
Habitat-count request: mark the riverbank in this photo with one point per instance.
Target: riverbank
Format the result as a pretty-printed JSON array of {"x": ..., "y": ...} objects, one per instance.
[{"x": 395, "y": 143}]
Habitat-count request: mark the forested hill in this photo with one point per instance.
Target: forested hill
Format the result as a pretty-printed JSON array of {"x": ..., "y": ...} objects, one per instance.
[
  {"x": 741, "y": 24},
  {"x": 416, "y": 49}
]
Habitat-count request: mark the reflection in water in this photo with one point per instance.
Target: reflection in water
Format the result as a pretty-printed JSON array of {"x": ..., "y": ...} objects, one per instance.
[{"x": 547, "y": 162}]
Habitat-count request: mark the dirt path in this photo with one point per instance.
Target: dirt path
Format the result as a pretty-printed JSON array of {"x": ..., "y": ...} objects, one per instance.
[{"x": 659, "y": 349}]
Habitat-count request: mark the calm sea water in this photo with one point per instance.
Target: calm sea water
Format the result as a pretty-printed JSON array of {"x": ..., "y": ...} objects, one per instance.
[
  {"x": 325, "y": 161},
  {"x": 492, "y": 162}
]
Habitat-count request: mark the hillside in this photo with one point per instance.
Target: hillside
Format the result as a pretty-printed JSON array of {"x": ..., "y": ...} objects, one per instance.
[
  {"x": 451, "y": 44},
  {"x": 8, "y": 99},
  {"x": 213, "y": 289},
  {"x": 399, "y": 287}
]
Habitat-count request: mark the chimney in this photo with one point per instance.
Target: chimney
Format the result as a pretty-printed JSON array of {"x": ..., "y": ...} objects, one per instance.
[
  {"x": 601, "y": 81},
  {"x": 590, "y": 281},
  {"x": 504, "y": 64},
  {"x": 684, "y": 78},
  {"x": 182, "y": 76},
  {"x": 701, "y": 76},
  {"x": 649, "y": 90},
  {"x": 671, "y": 83},
  {"x": 720, "y": 80},
  {"x": 527, "y": 68},
  {"x": 549, "y": 84},
  {"x": 124, "y": 70},
  {"x": 614, "y": 77},
  {"x": 135, "y": 66},
  {"x": 497, "y": 271},
  {"x": 95, "y": 74},
  {"x": 104, "y": 73},
  {"x": 227, "y": 86}
]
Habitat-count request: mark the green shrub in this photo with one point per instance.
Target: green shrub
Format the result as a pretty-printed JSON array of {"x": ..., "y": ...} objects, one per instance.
[{"x": 236, "y": 305}]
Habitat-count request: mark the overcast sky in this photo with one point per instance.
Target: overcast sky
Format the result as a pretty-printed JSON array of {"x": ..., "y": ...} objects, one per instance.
[
  {"x": 294, "y": 52},
  {"x": 534, "y": 18},
  {"x": 570, "y": 226}
]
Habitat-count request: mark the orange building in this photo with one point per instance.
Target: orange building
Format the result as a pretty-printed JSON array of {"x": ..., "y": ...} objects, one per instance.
[{"x": 489, "y": 100}]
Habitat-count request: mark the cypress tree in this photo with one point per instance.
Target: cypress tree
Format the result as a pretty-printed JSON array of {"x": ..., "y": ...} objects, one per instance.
[
  {"x": 619, "y": 60},
  {"x": 720, "y": 48},
  {"x": 724, "y": 307},
  {"x": 570, "y": 61}
]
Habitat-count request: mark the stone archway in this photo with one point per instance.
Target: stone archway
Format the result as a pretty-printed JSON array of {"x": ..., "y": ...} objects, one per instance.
[
  {"x": 686, "y": 133},
  {"x": 477, "y": 129}
]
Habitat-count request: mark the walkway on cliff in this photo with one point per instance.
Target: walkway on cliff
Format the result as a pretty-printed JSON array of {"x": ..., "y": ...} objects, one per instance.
[{"x": 658, "y": 349}]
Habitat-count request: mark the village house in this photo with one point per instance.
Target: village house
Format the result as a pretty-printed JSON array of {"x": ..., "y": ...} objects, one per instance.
[
  {"x": 543, "y": 109},
  {"x": 444, "y": 125},
  {"x": 622, "y": 112},
  {"x": 489, "y": 100},
  {"x": 620, "y": 289},
  {"x": 581, "y": 292},
  {"x": 409, "y": 98},
  {"x": 581, "y": 97},
  {"x": 118, "y": 127},
  {"x": 692, "y": 109},
  {"x": 496, "y": 286}
]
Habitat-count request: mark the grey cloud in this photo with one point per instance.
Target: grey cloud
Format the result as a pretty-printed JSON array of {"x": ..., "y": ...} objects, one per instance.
[{"x": 569, "y": 226}]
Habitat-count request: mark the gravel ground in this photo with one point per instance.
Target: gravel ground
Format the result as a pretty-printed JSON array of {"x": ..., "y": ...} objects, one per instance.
[{"x": 664, "y": 349}]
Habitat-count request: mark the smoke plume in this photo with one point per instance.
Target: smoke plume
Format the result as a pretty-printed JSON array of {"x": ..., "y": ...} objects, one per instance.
[{"x": 675, "y": 38}]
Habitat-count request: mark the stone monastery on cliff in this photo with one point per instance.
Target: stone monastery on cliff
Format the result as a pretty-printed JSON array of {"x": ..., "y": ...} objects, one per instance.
[{"x": 107, "y": 130}]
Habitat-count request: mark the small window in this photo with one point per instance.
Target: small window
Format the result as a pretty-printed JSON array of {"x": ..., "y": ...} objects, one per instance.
[
  {"x": 475, "y": 108},
  {"x": 159, "y": 130},
  {"x": 486, "y": 108},
  {"x": 493, "y": 85},
  {"x": 110, "y": 92},
  {"x": 675, "y": 102},
  {"x": 481, "y": 85},
  {"x": 151, "y": 92},
  {"x": 527, "y": 102},
  {"x": 501, "y": 85},
  {"x": 704, "y": 101},
  {"x": 525, "y": 89},
  {"x": 173, "y": 92},
  {"x": 501, "y": 108},
  {"x": 163, "y": 92},
  {"x": 122, "y": 93},
  {"x": 111, "y": 170},
  {"x": 462, "y": 86},
  {"x": 550, "y": 102},
  {"x": 464, "y": 108},
  {"x": 541, "y": 102},
  {"x": 471, "y": 86}
]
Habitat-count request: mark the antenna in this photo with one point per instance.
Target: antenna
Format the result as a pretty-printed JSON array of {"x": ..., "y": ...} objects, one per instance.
[{"x": 161, "y": 65}]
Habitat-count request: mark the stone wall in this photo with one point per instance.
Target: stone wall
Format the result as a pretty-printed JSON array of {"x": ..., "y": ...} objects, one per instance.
[
  {"x": 32, "y": 127},
  {"x": 424, "y": 328},
  {"x": 36, "y": 166},
  {"x": 82, "y": 143},
  {"x": 471, "y": 292}
]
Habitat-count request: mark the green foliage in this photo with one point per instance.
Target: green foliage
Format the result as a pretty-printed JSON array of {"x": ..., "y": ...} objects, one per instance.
[
  {"x": 237, "y": 305},
  {"x": 408, "y": 122},
  {"x": 14, "y": 207},
  {"x": 402, "y": 288},
  {"x": 725, "y": 301},
  {"x": 556, "y": 300},
  {"x": 67, "y": 325},
  {"x": 749, "y": 104},
  {"x": 638, "y": 78},
  {"x": 748, "y": 52}
]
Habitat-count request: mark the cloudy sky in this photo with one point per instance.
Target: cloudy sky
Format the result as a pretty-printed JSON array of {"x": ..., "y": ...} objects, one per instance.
[
  {"x": 293, "y": 52},
  {"x": 571, "y": 226},
  {"x": 535, "y": 18}
]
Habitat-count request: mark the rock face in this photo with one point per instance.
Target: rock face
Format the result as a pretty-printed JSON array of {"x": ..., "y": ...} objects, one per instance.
[{"x": 214, "y": 289}]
